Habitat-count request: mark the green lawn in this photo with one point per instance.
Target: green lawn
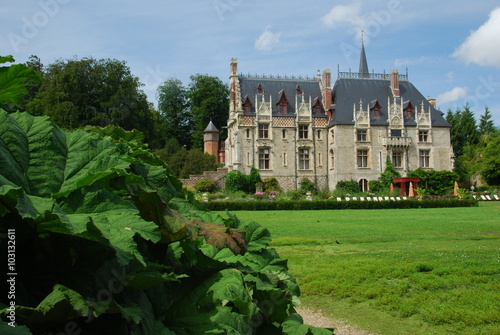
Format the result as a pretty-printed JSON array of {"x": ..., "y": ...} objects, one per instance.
[{"x": 412, "y": 271}]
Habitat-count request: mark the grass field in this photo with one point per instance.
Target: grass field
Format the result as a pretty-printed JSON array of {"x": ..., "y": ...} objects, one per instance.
[{"x": 412, "y": 271}]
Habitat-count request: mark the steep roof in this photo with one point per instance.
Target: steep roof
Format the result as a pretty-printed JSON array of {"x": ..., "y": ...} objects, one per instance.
[
  {"x": 363, "y": 63},
  {"x": 211, "y": 128},
  {"x": 275, "y": 87},
  {"x": 349, "y": 91}
]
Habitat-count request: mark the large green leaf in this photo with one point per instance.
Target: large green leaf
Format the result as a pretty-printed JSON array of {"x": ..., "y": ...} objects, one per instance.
[{"x": 13, "y": 79}]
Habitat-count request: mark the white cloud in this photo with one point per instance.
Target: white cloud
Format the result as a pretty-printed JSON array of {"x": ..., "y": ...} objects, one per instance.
[
  {"x": 455, "y": 94},
  {"x": 341, "y": 13},
  {"x": 267, "y": 40},
  {"x": 482, "y": 46}
]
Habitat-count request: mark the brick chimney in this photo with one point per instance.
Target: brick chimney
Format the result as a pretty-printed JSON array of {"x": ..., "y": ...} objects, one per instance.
[
  {"x": 395, "y": 83},
  {"x": 326, "y": 89}
]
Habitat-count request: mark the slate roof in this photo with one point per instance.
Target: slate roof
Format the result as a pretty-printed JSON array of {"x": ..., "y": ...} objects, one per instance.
[
  {"x": 211, "y": 128},
  {"x": 348, "y": 91},
  {"x": 274, "y": 86}
]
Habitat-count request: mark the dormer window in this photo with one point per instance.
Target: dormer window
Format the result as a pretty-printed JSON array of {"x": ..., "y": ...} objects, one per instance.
[
  {"x": 408, "y": 110},
  {"x": 259, "y": 89},
  {"x": 317, "y": 108},
  {"x": 375, "y": 109},
  {"x": 298, "y": 90},
  {"x": 247, "y": 106},
  {"x": 282, "y": 103}
]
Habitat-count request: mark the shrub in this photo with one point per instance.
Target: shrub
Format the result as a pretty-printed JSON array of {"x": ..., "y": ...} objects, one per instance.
[
  {"x": 332, "y": 204},
  {"x": 206, "y": 186},
  {"x": 236, "y": 181},
  {"x": 271, "y": 184},
  {"x": 252, "y": 179},
  {"x": 375, "y": 186},
  {"x": 387, "y": 177},
  {"x": 435, "y": 182},
  {"x": 307, "y": 186},
  {"x": 350, "y": 186}
]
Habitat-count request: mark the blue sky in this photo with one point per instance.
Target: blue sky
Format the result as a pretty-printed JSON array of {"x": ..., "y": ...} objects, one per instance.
[{"x": 451, "y": 48}]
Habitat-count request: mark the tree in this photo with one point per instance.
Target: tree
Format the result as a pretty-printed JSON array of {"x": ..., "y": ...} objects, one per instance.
[
  {"x": 173, "y": 106},
  {"x": 484, "y": 159},
  {"x": 75, "y": 93},
  {"x": 486, "y": 124},
  {"x": 208, "y": 100},
  {"x": 463, "y": 129}
]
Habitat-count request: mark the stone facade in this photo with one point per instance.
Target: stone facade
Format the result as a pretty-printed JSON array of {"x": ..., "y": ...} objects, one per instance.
[{"x": 294, "y": 128}]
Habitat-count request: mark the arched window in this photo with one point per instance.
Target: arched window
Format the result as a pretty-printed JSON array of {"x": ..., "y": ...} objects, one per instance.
[{"x": 363, "y": 185}]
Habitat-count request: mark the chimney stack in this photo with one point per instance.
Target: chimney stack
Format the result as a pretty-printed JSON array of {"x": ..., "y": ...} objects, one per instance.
[
  {"x": 395, "y": 83},
  {"x": 233, "y": 79},
  {"x": 327, "y": 89}
]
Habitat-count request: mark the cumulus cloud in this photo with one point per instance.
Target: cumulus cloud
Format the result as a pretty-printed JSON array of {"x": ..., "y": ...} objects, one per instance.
[
  {"x": 343, "y": 13},
  {"x": 267, "y": 40},
  {"x": 455, "y": 94},
  {"x": 482, "y": 46}
]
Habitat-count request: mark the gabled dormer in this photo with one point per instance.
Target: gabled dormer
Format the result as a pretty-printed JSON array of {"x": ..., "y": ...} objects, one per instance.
[
  {"x": 375, "y": 109},
  {"x": 408, "y": 110},
  {"x": 317, "y": 108},
  {"x": 260, "y": 90},
  {"x": 282, "y": 103},
  {"x": 247, "y": 105}
]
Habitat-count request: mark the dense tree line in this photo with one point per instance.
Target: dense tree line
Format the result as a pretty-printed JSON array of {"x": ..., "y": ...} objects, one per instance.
[
  {"x": 476, "y": 146},
  {"x": 79, "y": 92}
]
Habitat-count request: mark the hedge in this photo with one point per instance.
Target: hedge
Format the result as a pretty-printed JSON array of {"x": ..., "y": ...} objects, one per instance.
[{"x": 333, "y": 204}]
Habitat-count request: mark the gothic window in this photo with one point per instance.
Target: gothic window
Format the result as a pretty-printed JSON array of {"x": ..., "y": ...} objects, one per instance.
[
  {"x": 408, "y": 110},
  {"x": 363, "y": 158},
  {"x": 259, "y": 89},
  {"x": 397, "y": 159},
  {"x": 423, "y": 136},
  {"x": 298, "y": 90},
  {"x": 361, "y": 135},
  {"x": 317, "y": 108},
  {"x": 263, "y": 131},
  {"x": 264, "y": 159},
  {"x": 304, "y": 159},
  {"x": 375, "y": 109},
  {"x": 247, "y": 106},
  {"x": 363, "y": 185},
  {"x": 303, "y": 131},
  {"x": 424, "y": 156},
  {"x": 282, "y": 103}
]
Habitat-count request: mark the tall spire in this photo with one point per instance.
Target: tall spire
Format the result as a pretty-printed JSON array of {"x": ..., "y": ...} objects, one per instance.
[{"x": 363, "y": 64}]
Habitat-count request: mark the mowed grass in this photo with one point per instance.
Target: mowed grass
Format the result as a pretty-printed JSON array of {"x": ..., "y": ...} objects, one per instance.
[{"x": 412, "y": 271}]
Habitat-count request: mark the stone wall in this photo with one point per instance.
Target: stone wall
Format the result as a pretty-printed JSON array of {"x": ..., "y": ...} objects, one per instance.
[{"x": 219, "y": 177}]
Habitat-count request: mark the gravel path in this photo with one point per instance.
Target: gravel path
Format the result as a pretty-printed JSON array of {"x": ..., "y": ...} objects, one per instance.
[{"x": 316, "y": 318}]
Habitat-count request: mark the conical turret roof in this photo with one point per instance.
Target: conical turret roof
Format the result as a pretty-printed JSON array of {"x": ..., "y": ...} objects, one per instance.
[{"x": 211, "y": 128}]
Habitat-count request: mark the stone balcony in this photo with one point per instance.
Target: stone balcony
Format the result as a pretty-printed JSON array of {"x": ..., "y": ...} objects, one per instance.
[{"x": 395, "y": 142}]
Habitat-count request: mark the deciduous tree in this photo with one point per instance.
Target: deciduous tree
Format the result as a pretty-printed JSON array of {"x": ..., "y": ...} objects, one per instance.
[
  {"x": 79, "y": 92},
  {"x": 173, "y": 106},
  {"x": 208, "y": 100}
]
